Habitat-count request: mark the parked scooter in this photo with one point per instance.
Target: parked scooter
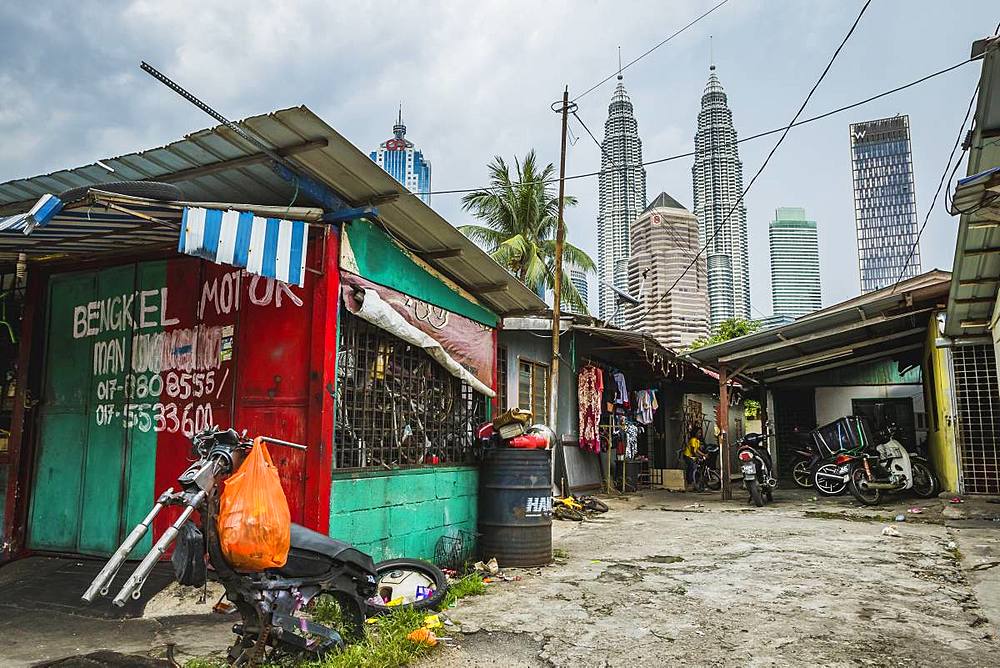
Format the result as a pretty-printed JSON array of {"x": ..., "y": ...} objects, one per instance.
[
  {"x": 887, "y": 467},
  {"x": 757, "y": 468},
  {"x": 270, "y": 602},
  {"x": 807, "y": 457}
]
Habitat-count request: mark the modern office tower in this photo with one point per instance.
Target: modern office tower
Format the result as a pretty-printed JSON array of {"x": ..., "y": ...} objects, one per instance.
[
  {"x": 404, "y": 162},
  {"x": 718, "y": 184},
  {"x": 578, "y": 278},
  {"x": 794, "y": 246},
  {"x": 622, "y": 197},
  {"x": 664, "y": 242},
  {"x": 885, "y": 205}
]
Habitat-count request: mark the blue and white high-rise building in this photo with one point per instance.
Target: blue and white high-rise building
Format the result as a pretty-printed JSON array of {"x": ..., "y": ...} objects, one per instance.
[{"x": 404, "y": 162}]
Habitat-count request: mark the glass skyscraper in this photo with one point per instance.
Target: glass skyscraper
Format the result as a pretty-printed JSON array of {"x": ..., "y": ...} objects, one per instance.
[
  {"x": 718, "y": 183},
  {"x": 404, "y": 162},
  {"x": 885, "y": 206},
  {"x": 622, "y": 192},
  {"x": 794, "y": 245}
]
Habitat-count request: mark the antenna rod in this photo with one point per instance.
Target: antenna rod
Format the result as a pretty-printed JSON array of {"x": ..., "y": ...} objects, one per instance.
[{"x": 174, "y": 86}]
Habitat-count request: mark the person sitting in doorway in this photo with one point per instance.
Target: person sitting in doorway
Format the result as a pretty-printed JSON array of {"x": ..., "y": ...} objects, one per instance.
[{"x": 693, "y": 453}]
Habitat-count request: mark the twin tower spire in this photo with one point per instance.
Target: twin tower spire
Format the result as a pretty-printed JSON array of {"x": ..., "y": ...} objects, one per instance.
[{"x": 717, "y": 176}]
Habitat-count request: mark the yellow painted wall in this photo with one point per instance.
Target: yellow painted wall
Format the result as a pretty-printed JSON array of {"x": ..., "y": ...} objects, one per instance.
[{"x": 941, "y": 446}]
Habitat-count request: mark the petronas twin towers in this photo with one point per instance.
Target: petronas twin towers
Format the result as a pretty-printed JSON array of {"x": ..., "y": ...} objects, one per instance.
[{"x": 718, "y": 182}]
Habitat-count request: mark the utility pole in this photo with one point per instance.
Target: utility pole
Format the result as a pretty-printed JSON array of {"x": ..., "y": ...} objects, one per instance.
[
  {"x": 564, "y": 109},
  {"x": 726, "y": 472}
]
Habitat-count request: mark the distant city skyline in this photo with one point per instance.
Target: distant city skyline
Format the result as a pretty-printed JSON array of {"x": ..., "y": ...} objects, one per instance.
[
  {"x": 885, "y": 206},
  {"x": 621, "y": 196},
  {"x": 717, "y": 176},
  {"x": 580, "y": 281},
  {"x": 403, "y": 161},
  {"x": 795, "y": 275}
]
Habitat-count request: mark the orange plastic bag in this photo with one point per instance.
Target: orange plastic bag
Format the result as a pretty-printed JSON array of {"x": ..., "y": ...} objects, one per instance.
[{"x": 254, "y": 522}]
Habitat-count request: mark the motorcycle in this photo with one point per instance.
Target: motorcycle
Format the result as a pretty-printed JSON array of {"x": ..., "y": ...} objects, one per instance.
[
  {"x": 807, "y": 457},
  {"x": 887, "y": 467},
  {"x": 273, "y": 604},
  {"x": 757, "y": 468},
  {"x": 706, "y": 472}
]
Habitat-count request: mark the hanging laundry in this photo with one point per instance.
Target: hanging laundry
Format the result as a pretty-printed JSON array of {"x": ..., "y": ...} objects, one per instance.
[
  {"x": 590, "y": 386},
  {"x": 631, "y": 431},
  {"x": 645, "y": 406},
  {"x": 622, "y": 396}
]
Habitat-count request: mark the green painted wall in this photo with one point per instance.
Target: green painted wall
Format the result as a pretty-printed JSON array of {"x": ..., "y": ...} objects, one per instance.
[
  {"x": 382, "y": 261},
  {"x": 403, "y": 513}
]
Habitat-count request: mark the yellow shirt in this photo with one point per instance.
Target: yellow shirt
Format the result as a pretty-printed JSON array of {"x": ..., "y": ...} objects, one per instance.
[{"x": 693, "y": 448}]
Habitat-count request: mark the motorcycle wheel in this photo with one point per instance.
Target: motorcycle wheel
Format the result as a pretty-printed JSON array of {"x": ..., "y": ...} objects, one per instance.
[
  {"x": 594, "y": 505},
  {"x": 567, "y": 513},
  {"x": 801, "y": 474},
  {"x": 713, "y": 480},
  {"x": 755, "y": 494},
  {"x": 399, "y": 578},
  {"x": 924, "y": 483},
  {"x": 826, "y": 486},
  {"x": 699, "y": 479},
  {"x": 869, "y": 497}
]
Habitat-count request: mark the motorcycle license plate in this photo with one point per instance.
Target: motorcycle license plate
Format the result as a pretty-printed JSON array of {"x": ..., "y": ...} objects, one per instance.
[{"x": 749, "y": 468}]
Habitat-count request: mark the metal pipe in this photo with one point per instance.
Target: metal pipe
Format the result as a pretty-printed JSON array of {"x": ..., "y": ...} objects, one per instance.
[
  {"x": 133, "y": 586},
  {"x": 110, "y": 570},
  {"x": 278, "y": 441}
]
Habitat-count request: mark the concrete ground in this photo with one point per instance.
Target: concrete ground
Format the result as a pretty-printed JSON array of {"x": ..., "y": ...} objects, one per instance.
[
  {"x": 663, "y": 579},
  {"x": 660, "y": 581}
]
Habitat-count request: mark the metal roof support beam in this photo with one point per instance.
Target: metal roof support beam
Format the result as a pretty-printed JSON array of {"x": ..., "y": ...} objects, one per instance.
[
  {"x": 976, "y": 300},
  {"x": 491, "y": 288},
  {"x": 992, "y": 250},
  {"x": 844, "y": 329},
  {"x": 972, "y": 282},
  {"x": 442, "y": 254},
  {"x": 256, "y": 159},
  {"x": 352, "y": 213},
  {"x": 842, "y": 349},
  {"x": 311, "y": 188},
  {"x": 847, "y": 361}
]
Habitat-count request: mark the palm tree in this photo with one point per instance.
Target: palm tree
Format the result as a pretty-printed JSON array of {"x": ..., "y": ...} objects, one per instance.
[{"x": 519, "y": 218}]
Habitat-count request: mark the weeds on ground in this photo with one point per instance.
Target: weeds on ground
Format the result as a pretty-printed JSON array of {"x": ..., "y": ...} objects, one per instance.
[
  {"x": 559, "y": 553},
  {"x": 470, "y": 585}
]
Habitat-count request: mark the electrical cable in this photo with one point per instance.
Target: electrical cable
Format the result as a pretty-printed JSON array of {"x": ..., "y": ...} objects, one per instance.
[
  {"x": 646, "y": 53},
  {"x": 944, "y": 175},
  {"x": 784, "y": 134},
  {"x": 759, "y": 135}
]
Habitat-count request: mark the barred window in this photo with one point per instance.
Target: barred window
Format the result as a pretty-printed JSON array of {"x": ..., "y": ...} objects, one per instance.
[
  {"x": 502, "y": 379},
  {"x": 532, "y": 388},
  {"x": 396, "y": 406}
]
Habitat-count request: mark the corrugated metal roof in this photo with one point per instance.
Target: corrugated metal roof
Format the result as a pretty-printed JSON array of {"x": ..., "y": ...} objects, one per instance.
[
  {"x": 216, "y": 165},
  {"x": 877, "y": 325}
]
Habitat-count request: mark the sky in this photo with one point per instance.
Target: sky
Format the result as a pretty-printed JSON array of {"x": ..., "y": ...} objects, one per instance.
[{"x": 477, "y": 79}]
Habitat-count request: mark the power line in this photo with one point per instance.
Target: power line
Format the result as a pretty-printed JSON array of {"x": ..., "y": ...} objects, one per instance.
[
  {"x": 944, "y": 175},
  {"x": 646, "y": 53},
  {"x": 759, "y": 135},
  {"x": 784, "y": 134}
]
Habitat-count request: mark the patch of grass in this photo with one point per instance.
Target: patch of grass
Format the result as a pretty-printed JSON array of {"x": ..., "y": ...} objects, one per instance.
[
  {"x": 559, "y": 553},
  {"x": 955, "y": 554},
  {"x": 470, "y": 585},
  {"x": 205, "y": 663},
  {"x": 385, "y": 644}
]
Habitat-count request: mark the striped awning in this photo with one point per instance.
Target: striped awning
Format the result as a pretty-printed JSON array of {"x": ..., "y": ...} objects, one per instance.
[{"x": 270, "y": 247}]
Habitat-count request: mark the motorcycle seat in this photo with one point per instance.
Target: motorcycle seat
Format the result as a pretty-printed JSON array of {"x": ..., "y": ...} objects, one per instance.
[{"x": 313, "y": 541}]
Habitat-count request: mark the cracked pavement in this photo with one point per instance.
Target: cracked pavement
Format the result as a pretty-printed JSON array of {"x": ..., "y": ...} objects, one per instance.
[{"x": 800, "y": 582}]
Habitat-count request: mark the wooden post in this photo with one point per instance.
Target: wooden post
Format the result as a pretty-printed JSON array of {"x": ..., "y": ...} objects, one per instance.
[
  {"x": 557, "y": 274},
  {"x": 727, "y": 486}
]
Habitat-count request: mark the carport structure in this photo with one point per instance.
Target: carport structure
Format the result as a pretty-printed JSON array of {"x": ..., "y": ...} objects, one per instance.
[{"x": 873, "y": 330}]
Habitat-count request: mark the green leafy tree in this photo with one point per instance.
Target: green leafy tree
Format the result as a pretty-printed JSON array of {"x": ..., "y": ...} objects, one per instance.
[
  {"x": 728, "y": 329},
  {"x": 731, "y": 329},
  {"x": 519, "y": 215}
]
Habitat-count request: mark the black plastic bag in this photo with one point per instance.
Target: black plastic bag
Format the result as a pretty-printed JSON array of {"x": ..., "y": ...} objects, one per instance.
[{"x": 189, "y": 556}]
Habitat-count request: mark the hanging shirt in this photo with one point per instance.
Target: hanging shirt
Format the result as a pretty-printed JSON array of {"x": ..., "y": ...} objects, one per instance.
[
  {"x": 590, "y": 386},
  {"x": 622, "y": 396},
  {"x": 645, "y": 406}
]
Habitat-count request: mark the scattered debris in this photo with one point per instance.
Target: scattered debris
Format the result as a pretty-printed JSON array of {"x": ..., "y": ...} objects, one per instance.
[
  {"x": 915, "y": 511},
  {"x": 423, "y": 636},
  {"x": 956, "y": 499},
  {"x": 891, "y": 531},
  {"x": 900, "y": 518},
  {"x": 490, "y": 567},
  {"x": 694, "y": 505}
]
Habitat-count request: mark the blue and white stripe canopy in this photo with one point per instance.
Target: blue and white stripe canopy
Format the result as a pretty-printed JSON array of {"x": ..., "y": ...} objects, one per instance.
[{"x": 270, "y": 247}]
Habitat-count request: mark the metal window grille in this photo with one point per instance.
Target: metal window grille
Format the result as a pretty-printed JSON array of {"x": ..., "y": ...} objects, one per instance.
[
  {"x": 397, "y": 406},
  {"x": 502, "y": 379},
  {"x": 977, "y": 400}
]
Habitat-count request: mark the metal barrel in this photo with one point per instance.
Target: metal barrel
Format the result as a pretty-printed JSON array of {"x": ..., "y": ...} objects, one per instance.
[{"x": 515, "y": 507}]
